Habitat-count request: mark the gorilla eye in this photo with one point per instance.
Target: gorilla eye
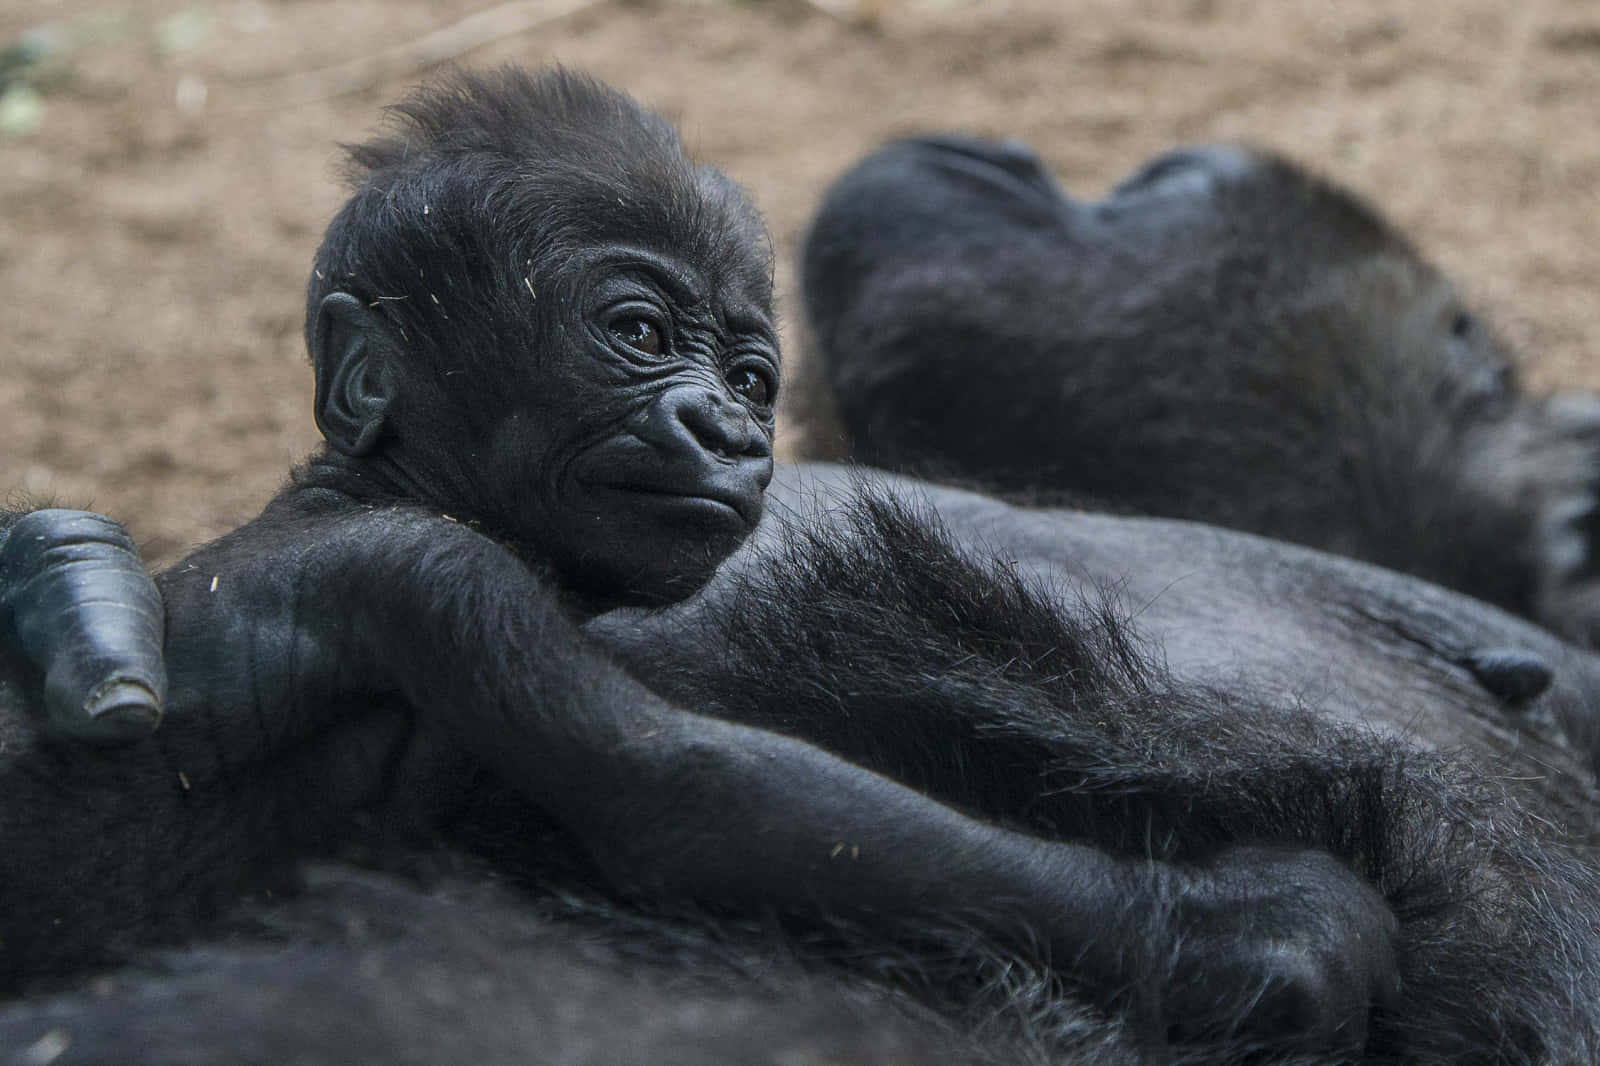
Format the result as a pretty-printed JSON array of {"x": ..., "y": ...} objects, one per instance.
[
  {"x": 752, "y": 385},
  {"x": 640, "y": 334},
  {"x": 1462, "y": 325}
]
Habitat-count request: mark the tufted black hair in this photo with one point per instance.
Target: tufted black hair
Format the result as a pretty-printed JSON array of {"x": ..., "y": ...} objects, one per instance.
[{"x": 471, "y": 207}]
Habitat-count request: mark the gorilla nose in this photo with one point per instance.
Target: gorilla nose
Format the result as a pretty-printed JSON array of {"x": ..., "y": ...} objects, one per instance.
[{"x": 714, "y": 423}]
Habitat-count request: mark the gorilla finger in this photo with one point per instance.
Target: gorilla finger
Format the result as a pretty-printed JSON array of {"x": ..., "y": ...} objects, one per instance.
[{"x": 88, "y": 616}]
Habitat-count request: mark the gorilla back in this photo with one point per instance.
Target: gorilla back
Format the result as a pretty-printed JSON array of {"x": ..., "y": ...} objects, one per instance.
[{"x": 1222, "y": 338}]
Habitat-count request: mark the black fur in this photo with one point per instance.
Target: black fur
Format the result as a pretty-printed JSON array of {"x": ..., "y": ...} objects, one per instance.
[
  {"x": 986, "y": 689},
  {"x": 873, "y": 751},
  {"x": 1224, "y": 338}
]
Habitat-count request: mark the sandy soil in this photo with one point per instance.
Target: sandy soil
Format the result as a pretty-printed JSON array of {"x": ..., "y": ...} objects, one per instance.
[{"x": 156, "y": 225}]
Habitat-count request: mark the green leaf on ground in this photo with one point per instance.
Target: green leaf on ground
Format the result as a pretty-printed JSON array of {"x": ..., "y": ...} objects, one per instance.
[
  {"x": 183, "y": 32},
  {"x": 21, "y": 111}
]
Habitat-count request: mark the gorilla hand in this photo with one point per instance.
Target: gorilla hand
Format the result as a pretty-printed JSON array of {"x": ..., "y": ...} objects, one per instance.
[
  {"x": 1281, "y": 945},
  {"x": 82, "y": 610}
]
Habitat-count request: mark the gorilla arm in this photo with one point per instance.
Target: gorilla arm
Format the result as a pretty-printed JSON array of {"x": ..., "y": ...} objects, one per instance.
[
  {"x": 677, "y": 805},
  {"x": 280, "y": 633}
]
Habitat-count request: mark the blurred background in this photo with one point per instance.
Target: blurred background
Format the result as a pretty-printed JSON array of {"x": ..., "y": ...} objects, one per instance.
[{"x": 166, "y": 169}]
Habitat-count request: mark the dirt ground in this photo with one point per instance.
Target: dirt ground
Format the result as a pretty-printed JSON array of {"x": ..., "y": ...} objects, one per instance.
[{"x": 166, "y": 169}]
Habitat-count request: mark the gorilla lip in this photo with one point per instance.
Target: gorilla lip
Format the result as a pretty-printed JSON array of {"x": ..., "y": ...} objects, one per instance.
[{"x": 729, "y": 503}]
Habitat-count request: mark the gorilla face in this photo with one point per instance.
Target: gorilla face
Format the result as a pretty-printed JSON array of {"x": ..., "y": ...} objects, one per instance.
[
  {"x": 564, "y": 337},
  {"x": 658, "y": 445}
]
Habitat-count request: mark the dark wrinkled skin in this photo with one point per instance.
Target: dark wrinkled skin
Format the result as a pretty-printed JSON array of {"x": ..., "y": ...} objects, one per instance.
[
  {"x": 1223, "y": 338},
  {"x": 886, "y": 737}
]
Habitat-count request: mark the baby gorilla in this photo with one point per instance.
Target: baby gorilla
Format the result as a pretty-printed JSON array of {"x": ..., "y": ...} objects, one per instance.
[
  {"x": 545, "y": 368},
  {"x": 555, "y": 327}
]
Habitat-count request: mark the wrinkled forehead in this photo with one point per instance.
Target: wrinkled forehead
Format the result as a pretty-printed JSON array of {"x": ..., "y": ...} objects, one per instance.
[{"x": 699, "y": 219}]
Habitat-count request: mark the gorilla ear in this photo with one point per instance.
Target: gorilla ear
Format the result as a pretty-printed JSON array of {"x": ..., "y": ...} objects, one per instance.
[{"x": 354, "y": 382}]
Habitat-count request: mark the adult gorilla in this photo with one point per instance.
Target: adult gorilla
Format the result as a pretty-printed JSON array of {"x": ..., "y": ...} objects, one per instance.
[
  {"x": 1222, "y": 338},
  {"x": 1181, "y": 870}
]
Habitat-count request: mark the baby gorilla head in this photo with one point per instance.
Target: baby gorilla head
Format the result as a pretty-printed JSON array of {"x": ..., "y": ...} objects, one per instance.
[{"x": 537, "y": 315}]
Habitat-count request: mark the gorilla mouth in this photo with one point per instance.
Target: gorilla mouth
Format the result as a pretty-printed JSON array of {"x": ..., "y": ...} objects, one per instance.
[{"x": 699, "y": 501}]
